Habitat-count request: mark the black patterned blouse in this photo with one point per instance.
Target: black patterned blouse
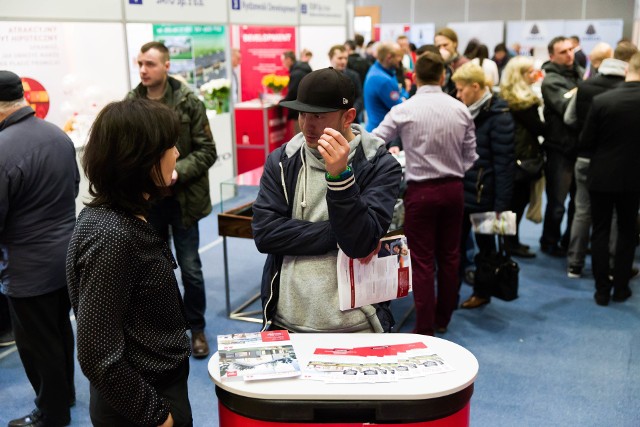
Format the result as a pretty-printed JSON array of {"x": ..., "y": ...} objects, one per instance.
[{"x": 129, "y": 312}]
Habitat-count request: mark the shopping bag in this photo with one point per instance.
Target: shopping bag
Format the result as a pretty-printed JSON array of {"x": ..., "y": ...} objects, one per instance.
[{"x": 501, "y": 223}]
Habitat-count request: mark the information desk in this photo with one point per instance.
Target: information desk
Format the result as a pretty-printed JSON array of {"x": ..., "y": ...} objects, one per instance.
[{"x": 436, "y": 400}]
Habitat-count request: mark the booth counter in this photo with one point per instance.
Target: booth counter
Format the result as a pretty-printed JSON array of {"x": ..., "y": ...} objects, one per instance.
[
  {"x": 261, "y": 127},
  {"x": 436, "y": 400}
]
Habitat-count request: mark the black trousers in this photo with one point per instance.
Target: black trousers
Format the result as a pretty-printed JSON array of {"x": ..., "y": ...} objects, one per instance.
[
  {"x": 44, "y": 339},
  {"x": 486, "y": 244},
  {"x": 174, "y": 390},
  {"x": 626, "y": 206}
]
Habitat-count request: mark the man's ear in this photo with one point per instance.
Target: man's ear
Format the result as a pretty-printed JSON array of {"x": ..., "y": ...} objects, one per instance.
[{"x": 349, "y": 116}]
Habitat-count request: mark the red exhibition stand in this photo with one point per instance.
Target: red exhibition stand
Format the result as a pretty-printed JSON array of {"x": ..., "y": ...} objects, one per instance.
[
  {"x": 261, "y": 127},
  {"x": 438, "y": 400}
]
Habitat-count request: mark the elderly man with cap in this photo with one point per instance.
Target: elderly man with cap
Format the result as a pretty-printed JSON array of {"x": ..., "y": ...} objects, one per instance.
[
  {"x": 332, "y": 186},
  {"x": 39, "y": 182}
]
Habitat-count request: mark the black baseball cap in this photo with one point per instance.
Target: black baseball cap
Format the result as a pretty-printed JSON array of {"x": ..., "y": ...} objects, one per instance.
[
  {"x": 10, "y": 86},
  {"x": 323, "y": 91}
]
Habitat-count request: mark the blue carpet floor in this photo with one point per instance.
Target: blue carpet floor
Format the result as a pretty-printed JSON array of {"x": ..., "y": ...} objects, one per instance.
[{"x": 551, "y": 357}]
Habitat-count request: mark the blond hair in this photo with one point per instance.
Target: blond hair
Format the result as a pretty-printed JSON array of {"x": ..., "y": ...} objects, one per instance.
[
  {"x": 470, "y": 73},
  {"x": 514, "y": 88}
]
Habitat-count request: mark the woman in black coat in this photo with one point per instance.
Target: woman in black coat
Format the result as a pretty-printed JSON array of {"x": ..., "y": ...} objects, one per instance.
[
  {"x": 488, "y": 185},
  {"x": 515, "y": 88}
]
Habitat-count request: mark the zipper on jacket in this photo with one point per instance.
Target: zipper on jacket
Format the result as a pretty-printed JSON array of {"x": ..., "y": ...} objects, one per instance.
[
  {"x": 479, "y": 185},
  {"x": 266, "y": 305}
]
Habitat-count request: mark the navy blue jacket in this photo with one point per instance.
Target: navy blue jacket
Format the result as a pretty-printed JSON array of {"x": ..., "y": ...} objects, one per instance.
[
  {"x": 488, "y": 185},
  {"x": 359, "y": 216},
  {"x": 39, "y": 182}
]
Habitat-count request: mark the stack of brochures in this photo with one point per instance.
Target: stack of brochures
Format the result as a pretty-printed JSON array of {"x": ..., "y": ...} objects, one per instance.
[
  {"x": 257, "y": 356},
  {"x": 374, "y": 364}
]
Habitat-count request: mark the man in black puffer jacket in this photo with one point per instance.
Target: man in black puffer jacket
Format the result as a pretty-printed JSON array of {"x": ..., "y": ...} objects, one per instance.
[{"x": 561, "y": 77}]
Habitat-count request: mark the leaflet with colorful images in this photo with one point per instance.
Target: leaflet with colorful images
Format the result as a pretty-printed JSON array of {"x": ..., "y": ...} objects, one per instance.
[
  {"x": 374, "y": 364},
  {"x": 257, "y": 356},
  {"x": 387, "y": 276}
]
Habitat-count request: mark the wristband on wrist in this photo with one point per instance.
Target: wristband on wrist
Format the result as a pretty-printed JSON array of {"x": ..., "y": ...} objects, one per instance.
[{"x": 344, "y": 175}]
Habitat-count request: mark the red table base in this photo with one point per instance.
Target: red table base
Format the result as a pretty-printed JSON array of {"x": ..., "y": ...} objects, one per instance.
[{"x": 231, "y": 419}]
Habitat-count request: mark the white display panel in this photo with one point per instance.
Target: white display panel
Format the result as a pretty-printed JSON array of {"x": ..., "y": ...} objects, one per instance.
[
  {"x": 421, "y": 34},
  {"x": 489, "y": 33},
  {"x": 323, "y": 12},
  {"x": 278, "y": 12},
  {"x": 177, "y": 11},
  {"x": 102, "y": 10},
  {"x": 319, "y": 40},
  {"x": 390, "y": 32},
  {"x": 595, "y": 31},
  {"x": 79, "y": 64},
  {"x": 533, "y": 34}
]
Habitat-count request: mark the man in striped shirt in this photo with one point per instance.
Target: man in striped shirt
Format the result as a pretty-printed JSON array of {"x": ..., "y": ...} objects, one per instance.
[{"x": 440, "y": 145}]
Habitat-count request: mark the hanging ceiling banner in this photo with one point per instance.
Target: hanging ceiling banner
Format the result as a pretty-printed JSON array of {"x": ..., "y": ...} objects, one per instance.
[
  {"x": 282, "y": 12},
  {"x": 176, "y": 11},
  {"x": 103, "y": 10},
  {"x": 325, "y": 12}
]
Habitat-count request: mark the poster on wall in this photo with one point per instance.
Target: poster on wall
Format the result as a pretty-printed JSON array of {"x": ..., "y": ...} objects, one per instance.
[
  {"x": 533, "y": 36},
  {"x": 319, "y": 39},
  {"x": 390, "y": 32},
  {"x": 67, "y": 79},
  {"x": 421, "y": 34},
  {"x": 261, "y": 49},
  {"x": 63, "y": 10},
  {"x": 595, "y": 31},
  {"x": 489, "y": 33}
]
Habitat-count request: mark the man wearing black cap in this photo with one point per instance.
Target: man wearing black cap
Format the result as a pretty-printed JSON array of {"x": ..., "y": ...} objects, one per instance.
[
  {"x": 39, "y": 182},
  {"x": 333, "y": 185}
]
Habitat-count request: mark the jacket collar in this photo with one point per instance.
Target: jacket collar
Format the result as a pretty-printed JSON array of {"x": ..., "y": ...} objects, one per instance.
[{"x": 17, "y": 116}]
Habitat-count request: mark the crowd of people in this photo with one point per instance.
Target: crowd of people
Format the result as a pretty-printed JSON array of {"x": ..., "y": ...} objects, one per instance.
[{"x": 477, "y": 136}]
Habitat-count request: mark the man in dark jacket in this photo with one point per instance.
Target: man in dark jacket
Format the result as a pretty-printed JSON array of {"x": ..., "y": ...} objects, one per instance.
[
  {"x": 611, "y": 74},
  {"x": 190, "y": 199},
  {"x": 561, "y": 77},
  {"x": 611, "y": 131},
  {"x": 338, "y": 60},
  {"x": 332, "y": 186},
  {"x": 297, "y": 70},
  {"x": 39, "y": 182}
]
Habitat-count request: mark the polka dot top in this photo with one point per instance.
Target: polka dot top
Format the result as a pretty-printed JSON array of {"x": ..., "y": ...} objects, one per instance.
[{"x": 129, "y": 312}]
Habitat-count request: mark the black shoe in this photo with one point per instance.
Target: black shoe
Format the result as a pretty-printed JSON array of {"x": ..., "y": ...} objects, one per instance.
[
  {"x": 7, "y": 339},
  {"x": 553, "y": 250},
  {"x": 199, "y": 345},
  {"x": 601, "y": 299},
  {"x": 574, "y": 272},
  {"x": 521, "y": 252},
  {"x": 622, "y": 295},
  {"x": 34, "y": 419}
]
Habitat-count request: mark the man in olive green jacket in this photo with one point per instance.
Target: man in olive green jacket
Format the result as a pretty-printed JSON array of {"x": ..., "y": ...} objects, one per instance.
[{"x": 189, "y": 200}]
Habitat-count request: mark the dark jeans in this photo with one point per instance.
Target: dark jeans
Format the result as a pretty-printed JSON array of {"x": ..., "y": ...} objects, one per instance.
[
  {"x": 166, "y": 214},
  {"x": 486, "y": 244},
  {"x": 559, "y": 178},
  {"x": 626, "y": 207},
  {"x": 44, "y": 339},
  {"x": 433, "y": 219},
  {"x": 5, "y": 319},
  {"x": 174, "y": 391}
]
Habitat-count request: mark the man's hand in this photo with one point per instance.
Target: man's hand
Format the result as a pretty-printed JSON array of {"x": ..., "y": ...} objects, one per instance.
[
  {"x": 394, "y": 150},
  {"x": 334, "y": 149},
  {"x": 174, "y": 177},
  {"x": 368, "y": 258}
]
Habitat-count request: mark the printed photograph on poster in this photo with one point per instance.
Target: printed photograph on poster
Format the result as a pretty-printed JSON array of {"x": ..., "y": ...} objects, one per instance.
[{"x": 197, "y": 52}]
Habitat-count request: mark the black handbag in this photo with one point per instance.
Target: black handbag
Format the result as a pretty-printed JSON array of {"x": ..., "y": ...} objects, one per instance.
[
  {"x": 498, "y": 272},
  {"x": 529, "y": 169}
]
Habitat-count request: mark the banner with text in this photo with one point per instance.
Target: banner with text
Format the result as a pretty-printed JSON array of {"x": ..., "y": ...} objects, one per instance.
[
  {"x": 595, "y": 31},
  {"x": 261, "y": 49},
  {"x": 325, "y": 12},
  {"x": 283, "y": 12},
  {"x": 103, "y": 10},
  {"x": 67, "y": 79},
  {"x": 193, "y": 11}
]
